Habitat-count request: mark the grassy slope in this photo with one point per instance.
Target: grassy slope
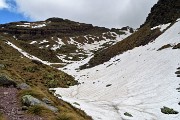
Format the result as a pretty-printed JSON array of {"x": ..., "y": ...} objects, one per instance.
[{"x": 40, "y": 77}]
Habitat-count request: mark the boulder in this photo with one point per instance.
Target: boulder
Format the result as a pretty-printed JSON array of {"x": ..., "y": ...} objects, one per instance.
[
  {"x": 5, "y": 82},
  {"x": 29, "y": 100},
  {"x": 23, "y": 86}
]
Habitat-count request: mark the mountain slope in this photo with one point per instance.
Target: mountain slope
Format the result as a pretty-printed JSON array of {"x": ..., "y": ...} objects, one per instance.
[
  {"x": 62, "y": 41},
  {"x": 40, "y": 77},
  {"x": 165, "y": 11},
  {"x": 139, "y": 82}
]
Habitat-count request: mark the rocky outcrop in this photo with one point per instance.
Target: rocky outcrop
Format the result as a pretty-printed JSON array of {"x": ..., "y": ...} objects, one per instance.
[{"x": 165, "y": 11}]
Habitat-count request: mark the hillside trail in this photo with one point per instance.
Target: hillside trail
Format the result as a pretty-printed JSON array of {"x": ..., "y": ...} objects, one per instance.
[{"x": 10, "y": 106}]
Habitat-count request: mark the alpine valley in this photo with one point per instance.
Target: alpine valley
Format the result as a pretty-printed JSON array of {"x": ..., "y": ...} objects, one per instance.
[{"x": 59, "y": 69}]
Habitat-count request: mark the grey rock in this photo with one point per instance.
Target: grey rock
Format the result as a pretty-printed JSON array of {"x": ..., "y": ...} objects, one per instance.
[
  {"x": 47, "y": 101},
  {"x": 23, "y": 86},
  {"x": 29, "y": 100}
]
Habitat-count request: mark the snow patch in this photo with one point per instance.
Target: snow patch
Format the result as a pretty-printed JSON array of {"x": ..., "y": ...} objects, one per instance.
[
  {"x": 44, "y": 41},
  {"x": 28, "y": 55},
  {"x": 161, "y": 27},
  {"x": 33, "y": 42}
]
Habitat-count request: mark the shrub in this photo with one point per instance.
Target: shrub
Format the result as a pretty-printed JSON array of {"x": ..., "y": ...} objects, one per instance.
[
  {"x": 52, "y": 83},
  {"x": 167, "y": 110},
  {"x": 31, "y": 69}
]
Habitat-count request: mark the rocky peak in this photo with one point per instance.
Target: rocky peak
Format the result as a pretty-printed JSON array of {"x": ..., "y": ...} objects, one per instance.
[{"x": 165, "y": 11}]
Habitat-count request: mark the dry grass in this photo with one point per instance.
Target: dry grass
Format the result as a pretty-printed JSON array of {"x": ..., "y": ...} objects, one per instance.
[
  {"x": 67, "y": 116},
  {"x": 39, "y": 110}
]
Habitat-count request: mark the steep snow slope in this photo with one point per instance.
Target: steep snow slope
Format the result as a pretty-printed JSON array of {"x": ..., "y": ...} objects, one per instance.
[{"x": 140, "y": 82}]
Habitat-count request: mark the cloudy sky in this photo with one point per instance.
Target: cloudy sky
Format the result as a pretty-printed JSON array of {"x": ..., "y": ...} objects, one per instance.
[{"x": 108, "y": 13}]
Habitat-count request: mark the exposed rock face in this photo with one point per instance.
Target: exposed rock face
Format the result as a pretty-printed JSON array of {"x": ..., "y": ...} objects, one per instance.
[{"x": 165, "y": 11}]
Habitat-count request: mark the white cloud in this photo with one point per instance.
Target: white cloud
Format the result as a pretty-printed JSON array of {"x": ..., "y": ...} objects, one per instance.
[
  {"x": 109, "y": 13},
  {"x": 3, "y": 4}
]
